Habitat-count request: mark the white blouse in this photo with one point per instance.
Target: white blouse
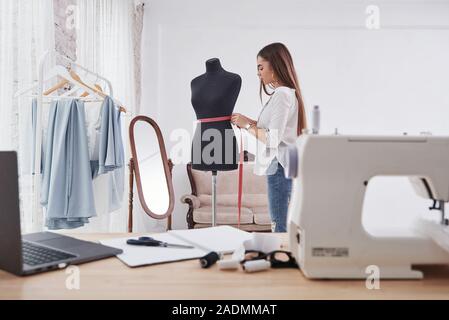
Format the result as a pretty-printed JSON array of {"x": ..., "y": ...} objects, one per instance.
[{"x": 279, "y": 117}]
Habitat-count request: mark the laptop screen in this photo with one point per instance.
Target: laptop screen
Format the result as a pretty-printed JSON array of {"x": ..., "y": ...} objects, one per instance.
[{"x": 10, "y": 233}]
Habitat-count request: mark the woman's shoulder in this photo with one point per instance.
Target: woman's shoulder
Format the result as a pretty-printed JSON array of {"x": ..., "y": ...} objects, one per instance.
[
  {"x": 284, "y": 94},
  {"x": 284, "y": 89}
]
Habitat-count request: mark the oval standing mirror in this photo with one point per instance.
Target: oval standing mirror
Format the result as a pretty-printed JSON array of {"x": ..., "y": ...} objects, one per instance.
[{"x": 152, "y": 170}]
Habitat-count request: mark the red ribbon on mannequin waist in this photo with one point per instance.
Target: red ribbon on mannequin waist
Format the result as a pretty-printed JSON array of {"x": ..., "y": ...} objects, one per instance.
[
  {"x": 241, "y": 159},
  {"x": 216, "y": 119}
]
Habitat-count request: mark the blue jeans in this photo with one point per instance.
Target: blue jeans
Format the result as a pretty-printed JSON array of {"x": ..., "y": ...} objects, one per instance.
[{"x": 279, "y": 191}]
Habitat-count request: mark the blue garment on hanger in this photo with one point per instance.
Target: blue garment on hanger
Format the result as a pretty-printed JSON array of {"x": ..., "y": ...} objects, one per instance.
[
  {"x": 111, "y": 153},
  {"x": 67, "y": 191},
  {"x": 33, "y": 128}
]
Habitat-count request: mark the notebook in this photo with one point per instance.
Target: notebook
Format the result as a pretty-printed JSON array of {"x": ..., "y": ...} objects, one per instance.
[{"x": 222, "y": 239}]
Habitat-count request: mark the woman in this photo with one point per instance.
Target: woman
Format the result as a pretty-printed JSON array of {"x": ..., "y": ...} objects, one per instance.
[{"x": 279, "y": 124}]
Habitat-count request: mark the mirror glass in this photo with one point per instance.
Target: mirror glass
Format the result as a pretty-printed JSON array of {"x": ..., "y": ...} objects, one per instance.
[{"x": 151, "y": 177}]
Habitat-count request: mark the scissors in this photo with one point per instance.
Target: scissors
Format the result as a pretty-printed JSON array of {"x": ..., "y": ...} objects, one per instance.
[{"x": 150, "y": 242}]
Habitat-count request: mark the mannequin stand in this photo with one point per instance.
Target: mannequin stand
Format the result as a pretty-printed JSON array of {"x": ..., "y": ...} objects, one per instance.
[{"x": 214, "y": 198}]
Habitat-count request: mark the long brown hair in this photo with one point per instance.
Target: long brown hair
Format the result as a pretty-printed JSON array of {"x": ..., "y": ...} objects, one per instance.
[{"x": 281, "y": 61}]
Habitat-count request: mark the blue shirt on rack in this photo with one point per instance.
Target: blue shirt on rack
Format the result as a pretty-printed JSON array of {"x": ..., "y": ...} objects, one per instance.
[
  {"x": 67, "y": 192},
  {"x": 111, "y": 153}
]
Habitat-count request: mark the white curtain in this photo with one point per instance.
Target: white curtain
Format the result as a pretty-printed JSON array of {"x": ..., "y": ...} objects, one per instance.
[
  {"x": 8, "y": 80},
  {"x": 105, "y": 46},
  {"x": 26, "y": 32},
  {"x": 105, "y": 43}
]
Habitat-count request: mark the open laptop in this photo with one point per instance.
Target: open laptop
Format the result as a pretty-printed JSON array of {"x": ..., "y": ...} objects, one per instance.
[{"x": 37, "y": 252}]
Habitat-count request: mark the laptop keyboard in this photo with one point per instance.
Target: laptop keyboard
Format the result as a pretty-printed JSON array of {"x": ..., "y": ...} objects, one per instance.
[{"x": 35, "y": 255}]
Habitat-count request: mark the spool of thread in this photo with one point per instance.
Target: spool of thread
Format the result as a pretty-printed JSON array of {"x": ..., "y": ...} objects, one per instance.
[
  {"x": 209, "y": 259},
  {"x": 316, "y": 120},
  {"x": 256, "y": 265},
  {"x": 229, "y": 264}
]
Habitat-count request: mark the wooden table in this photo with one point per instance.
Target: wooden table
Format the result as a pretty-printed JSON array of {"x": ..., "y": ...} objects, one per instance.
[{"x": 111, "y": 279}]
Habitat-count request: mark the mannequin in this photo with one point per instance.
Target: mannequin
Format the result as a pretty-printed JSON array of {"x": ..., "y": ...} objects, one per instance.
[{"x": 214, "y": 94}]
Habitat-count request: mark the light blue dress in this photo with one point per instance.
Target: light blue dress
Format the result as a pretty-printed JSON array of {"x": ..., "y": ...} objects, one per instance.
[
  {"x": 33, "y": 137},
  {"x": 67, "y": 189},
  {"x": 111, "y": 153},
  {"x": 67, "y": 192}
]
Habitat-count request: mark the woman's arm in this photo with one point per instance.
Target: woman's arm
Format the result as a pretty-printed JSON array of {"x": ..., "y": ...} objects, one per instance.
[
  {"x": 259, "y": 133},
  {"x": 280, "y": 103},
  {"x": 242, "y": 122}
]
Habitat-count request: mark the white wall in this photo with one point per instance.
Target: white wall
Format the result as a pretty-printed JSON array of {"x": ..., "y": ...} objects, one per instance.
[{"x": 385, "y": 81}]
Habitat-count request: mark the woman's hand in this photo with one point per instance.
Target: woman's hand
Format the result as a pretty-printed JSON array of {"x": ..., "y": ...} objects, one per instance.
[{"x": 240, "y": 120}]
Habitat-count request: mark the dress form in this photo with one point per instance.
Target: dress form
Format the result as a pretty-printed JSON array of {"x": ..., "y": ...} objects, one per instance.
[{"x": 214, "y": 94}]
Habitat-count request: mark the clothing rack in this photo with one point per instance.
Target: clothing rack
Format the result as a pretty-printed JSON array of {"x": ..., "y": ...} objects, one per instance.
[{"x": 37, "y": 175}]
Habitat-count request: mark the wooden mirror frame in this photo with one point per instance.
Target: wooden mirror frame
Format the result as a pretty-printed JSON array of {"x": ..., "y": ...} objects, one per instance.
[{"x": 134, "y": 169}]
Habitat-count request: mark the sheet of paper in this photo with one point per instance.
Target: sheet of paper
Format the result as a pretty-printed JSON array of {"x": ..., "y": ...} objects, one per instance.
[
  {"x": 222, "y": 239},
  {"x": 135, "y": 256}
]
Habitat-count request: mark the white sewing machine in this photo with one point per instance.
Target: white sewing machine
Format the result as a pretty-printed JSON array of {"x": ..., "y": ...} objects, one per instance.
[{"x": 325, "y": 215}]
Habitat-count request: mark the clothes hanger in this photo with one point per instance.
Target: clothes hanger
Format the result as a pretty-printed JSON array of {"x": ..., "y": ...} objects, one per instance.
[
  {"x": 89, "y": 88},
  {"x": 68, "y": 77},
  {"x": 65, "y": 81},
  {"x": 96, "y": 90},
  {"x": 60, "y": 85},
  {"x": 96, "y": 85},
  {"x": 74, "y": 89},
  {"x": 85, "y": 94}
]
